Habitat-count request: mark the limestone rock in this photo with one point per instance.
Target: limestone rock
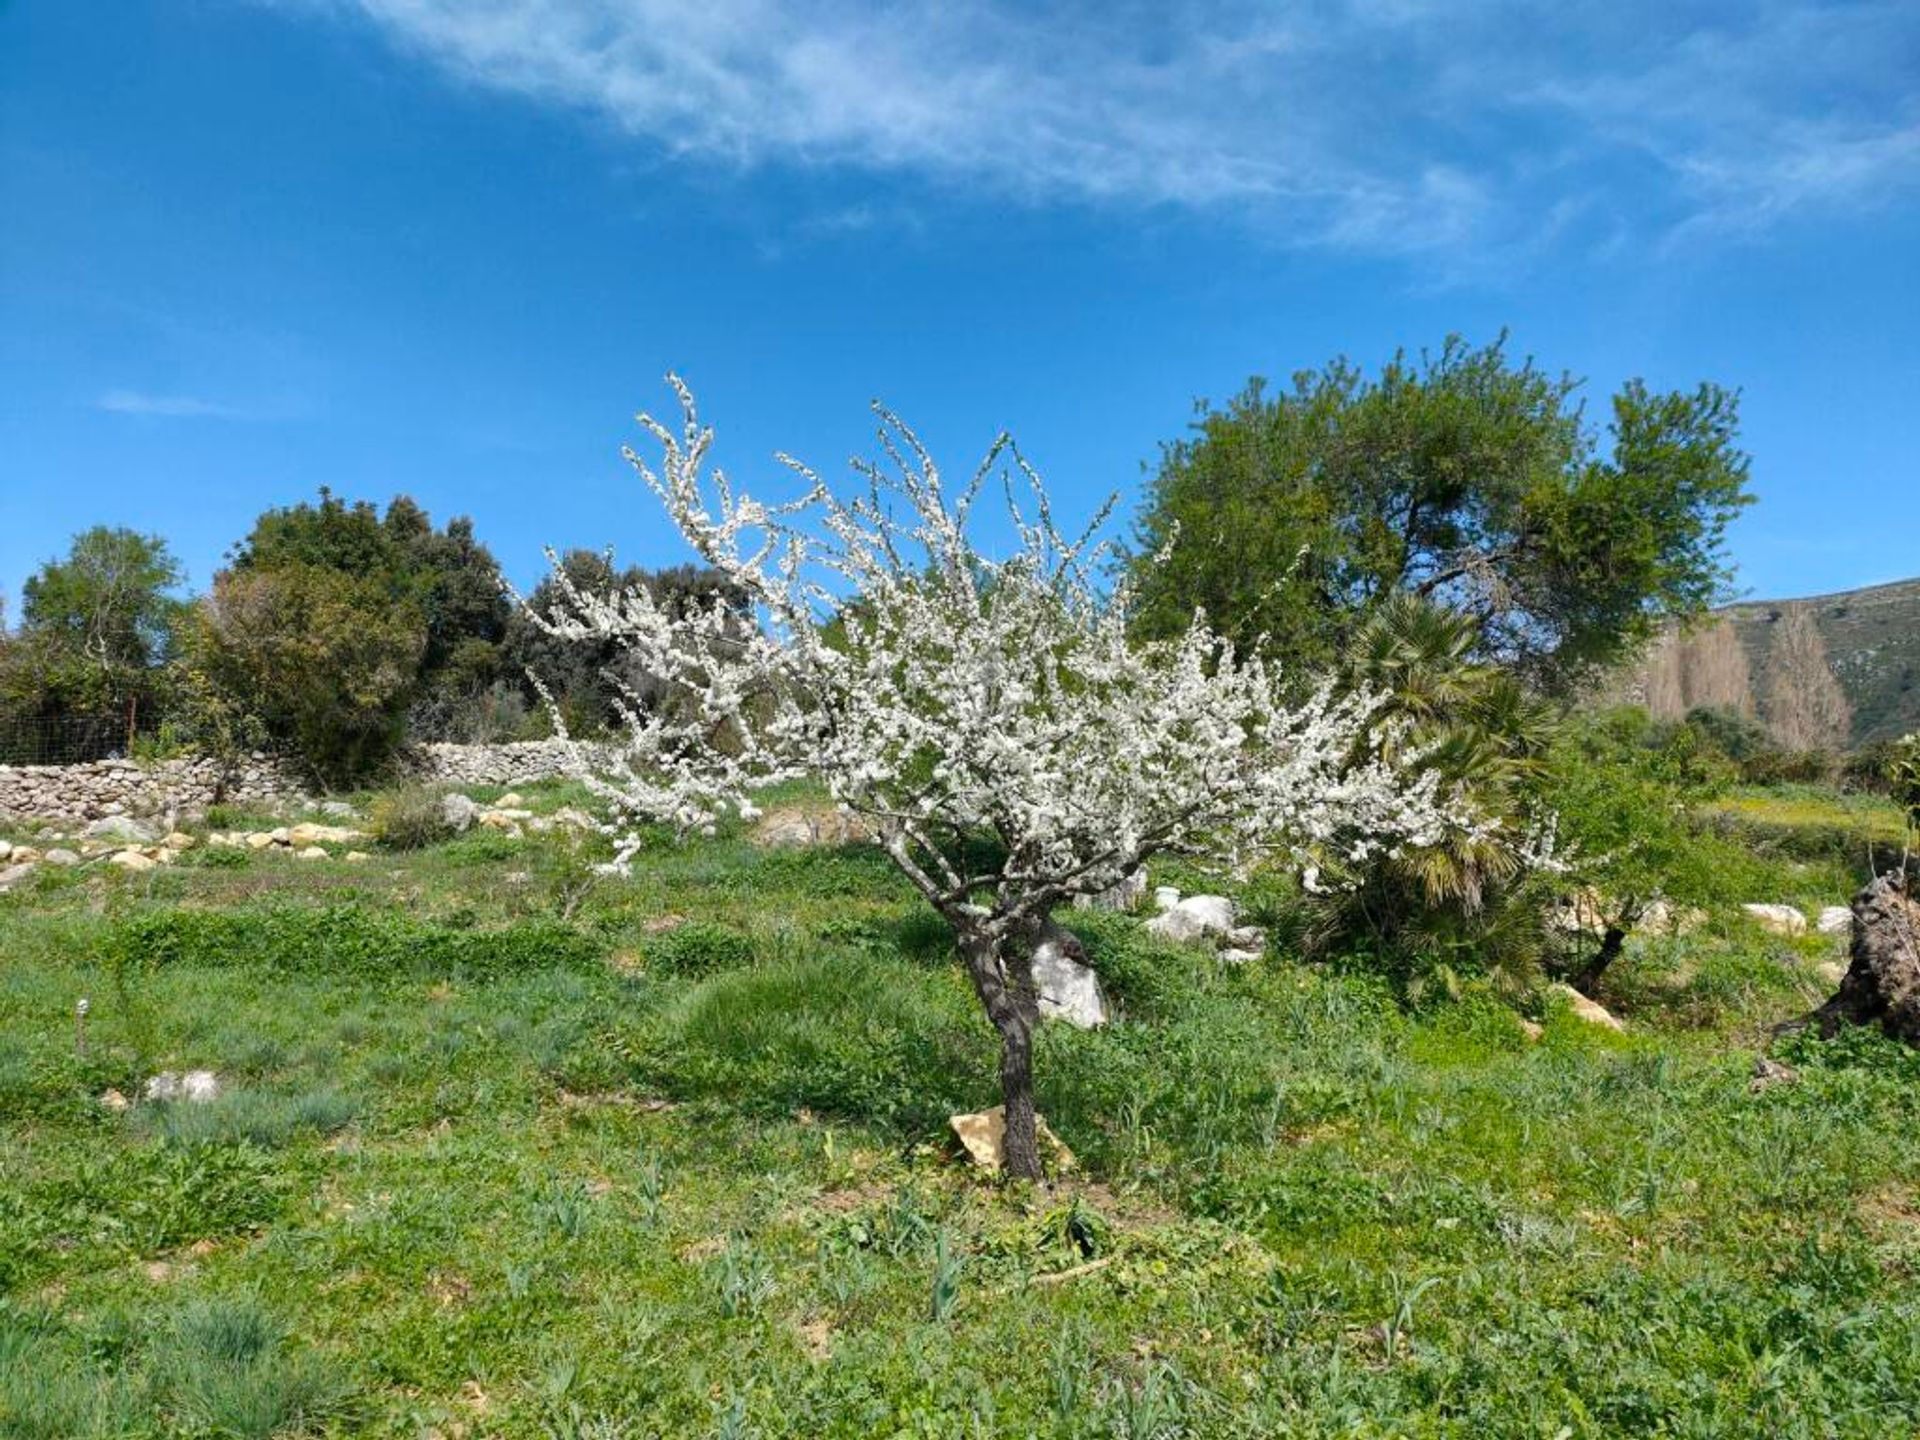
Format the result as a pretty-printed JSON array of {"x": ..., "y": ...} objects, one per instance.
[
  {"x": 62, "y": 857},
  {"x": 1768, "y": 1072},
  {"x": 1591, "y": 1011},
  {"x": 808, "y": 825},
  {"x": 259, "y": 840},
  {"x": 178, "y": 840},
  {"x": 1882, "y": 983},
  {"x": 459, "y": 812},
  {"x": 195, "y": 1086},
  {"x": 1235, "y": 955},
  {"x": 1194, "y": 918},
  {"x": 6, "y": 849},
  {"x": 338, "y": 809},
  {"x": 357, "y": 857},
  {"x": 510, "y": 800},
  {"x": 303, "y": 835},
  {"x": 13, "y": 875},
  {"x": 983, "y": 1135},
  {"x": 1834, "y": 920},
  {"x": 118, "y": 827},
  {"x": 1069, "y": 988},
  {"x": 133, "y": 861},
  {"x": 1165, "y": 897},
  {"x": 26, "y": 855},
  {"x": 311, "y": 852},
  {"x": 1777, "y": 919}
]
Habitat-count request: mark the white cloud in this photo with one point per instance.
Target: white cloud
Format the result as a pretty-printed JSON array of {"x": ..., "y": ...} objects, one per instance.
[
  {"x": 174, "y": 407},
  {"x": 1382, "y": 125}
]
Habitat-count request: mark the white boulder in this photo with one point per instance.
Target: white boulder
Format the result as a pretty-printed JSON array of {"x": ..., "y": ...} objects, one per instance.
[
  {"x": 458, "y": 812},
  {"x": 1834, "y": 920},
  {"x": 1194, "y": 918},
  {"x": 1777, "y": 919},
  {"x": 1069, "y": 989},
  {"x": 118, "y": 827},
  {"x": 195, "y": 1086}
]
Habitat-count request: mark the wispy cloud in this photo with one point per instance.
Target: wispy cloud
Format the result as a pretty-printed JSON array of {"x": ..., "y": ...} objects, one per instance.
[
  {"x": 173, "y": 407},
  {"x": 1408, "y": 126}
]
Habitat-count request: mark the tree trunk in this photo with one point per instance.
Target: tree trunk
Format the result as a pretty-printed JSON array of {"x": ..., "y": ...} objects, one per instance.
[
  {"x": 1000, "y": 994},
  {"x": 1587, "y": 980}
]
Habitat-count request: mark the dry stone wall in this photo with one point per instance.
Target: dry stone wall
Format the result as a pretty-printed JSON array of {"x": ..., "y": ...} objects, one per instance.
[
  {"x": 187, "y": 785},
  {"x": 518, "y": 763}
]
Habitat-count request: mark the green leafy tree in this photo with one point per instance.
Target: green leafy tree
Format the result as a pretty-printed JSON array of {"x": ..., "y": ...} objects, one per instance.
[
  {"x": 432, "y": 611},
  {"x": 327, "y": 662},
  {"x": 96, "y": 633},
  {"x": 1621, "y": 789},
  {"x": 1461, "y": 478}
]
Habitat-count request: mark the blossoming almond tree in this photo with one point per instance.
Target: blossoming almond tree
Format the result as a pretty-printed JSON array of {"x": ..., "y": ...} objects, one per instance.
[{"x": 988, "y": 718}]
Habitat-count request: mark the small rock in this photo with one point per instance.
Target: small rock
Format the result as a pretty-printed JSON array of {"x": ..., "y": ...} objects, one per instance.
[
  {"x": 339, "y": 809},
  {"x": 458, "y": 812},
  {"x": 1530, "y": 1029},
  {"x": 509, "y": 800},
  {"x": 178, "y": 840},
  {"x": 280, "y": 836},
  {"x": 26, "y": 855},
  {"x": 311, "y": 852},
  {"x": 1591, "y": 1011},
  {"x": 574, "y": 819},
  {"x": 62, "y": 857},
  {"x": 1768, "y": 1072},
  {"x": 195, "y": 1086},
  {"x": 6, "y": 849},
  {"x": 1778, "y": 919},
  {"x": 259, "y": 840},
  {"x": 303, "y": 835},
  {"x": 114, "y": 1100},
  {"x": 983, "y": 1135},
  {"x": 356, "y": 857},
  {"x": 132, "y": 860},
  {"x": 1234, "y": 955},
  {"x": 13, "y": 875},
  {"x": 1165, "y": 897},
  {"x": 1834, "y": 920}
]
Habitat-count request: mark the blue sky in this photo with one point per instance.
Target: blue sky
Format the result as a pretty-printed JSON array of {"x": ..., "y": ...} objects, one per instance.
[{"x": 448, "y": 247}]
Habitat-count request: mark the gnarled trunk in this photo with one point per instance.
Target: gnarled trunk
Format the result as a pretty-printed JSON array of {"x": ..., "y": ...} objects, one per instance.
[
  {"x": 1587, "y": 979},
  {"x": 1006, "y": 990}
]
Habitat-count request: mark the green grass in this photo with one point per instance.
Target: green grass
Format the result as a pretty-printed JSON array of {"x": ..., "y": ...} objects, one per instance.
[{"x": 482, "y": 1170}]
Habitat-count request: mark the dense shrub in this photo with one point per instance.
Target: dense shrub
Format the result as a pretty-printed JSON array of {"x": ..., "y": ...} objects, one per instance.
[
  {"x": 699, "y": 949},
  {"x": 410, "y": 819}
]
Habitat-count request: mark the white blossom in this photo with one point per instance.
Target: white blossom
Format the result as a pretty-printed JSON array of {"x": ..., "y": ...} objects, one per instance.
[{"x": 945, "y": 696}]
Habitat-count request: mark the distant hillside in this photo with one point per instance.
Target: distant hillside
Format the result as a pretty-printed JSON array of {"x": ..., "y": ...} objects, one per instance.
[{"x": 1829, "y": 670}]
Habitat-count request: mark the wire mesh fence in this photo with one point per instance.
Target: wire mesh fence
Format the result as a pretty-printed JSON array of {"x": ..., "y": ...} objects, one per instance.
[{"x": 39, "y": 739}]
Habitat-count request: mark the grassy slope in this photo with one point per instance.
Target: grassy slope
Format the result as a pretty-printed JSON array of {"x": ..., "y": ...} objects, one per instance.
[{"x": 441, "y": 1196}]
